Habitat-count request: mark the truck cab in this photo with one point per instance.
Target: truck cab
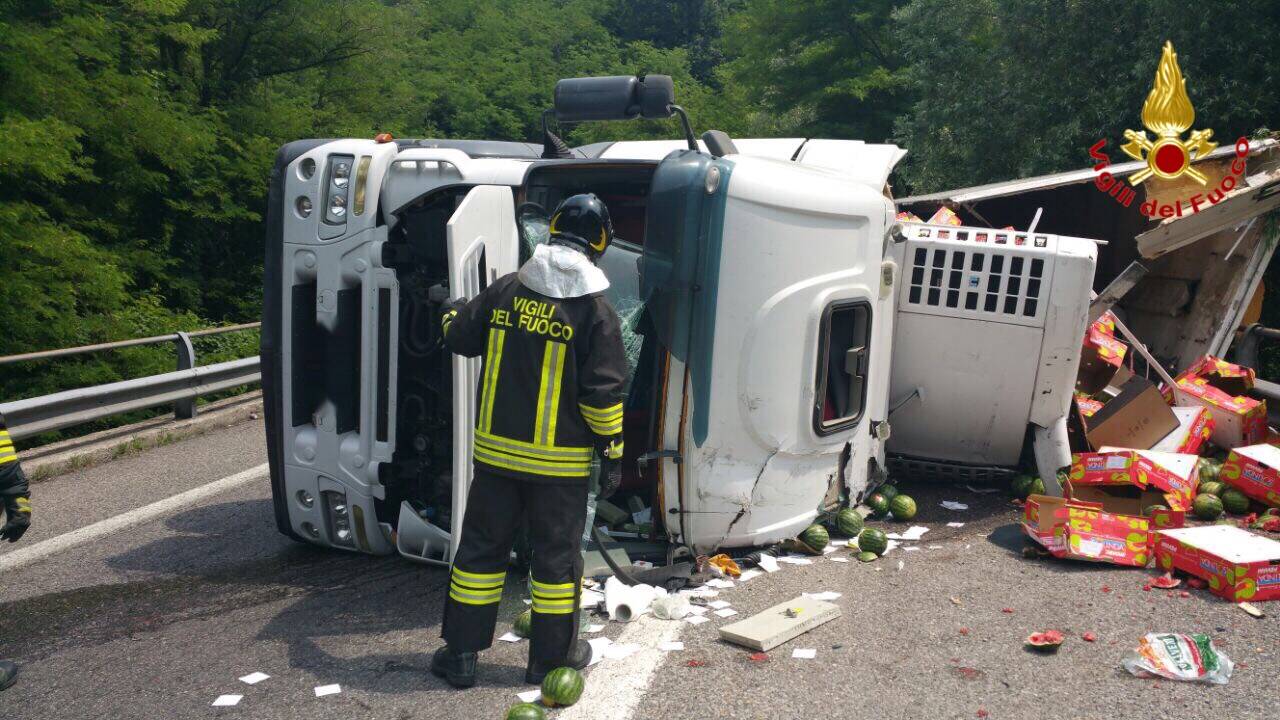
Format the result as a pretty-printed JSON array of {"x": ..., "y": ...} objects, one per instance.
[{"x": 754, "y": 280}]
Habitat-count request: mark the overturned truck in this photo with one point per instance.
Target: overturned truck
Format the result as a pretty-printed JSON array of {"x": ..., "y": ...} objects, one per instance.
[{"x": 766, "y": 292}]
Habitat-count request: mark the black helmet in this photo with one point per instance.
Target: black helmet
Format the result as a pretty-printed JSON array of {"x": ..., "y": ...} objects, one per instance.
[{"x": 583, "y": 222}]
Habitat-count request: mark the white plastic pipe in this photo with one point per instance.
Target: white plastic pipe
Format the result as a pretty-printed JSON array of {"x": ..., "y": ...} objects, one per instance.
[{"x": 625, "y": 603}]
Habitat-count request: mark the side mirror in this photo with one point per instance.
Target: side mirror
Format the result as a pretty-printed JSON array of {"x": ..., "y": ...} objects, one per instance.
[{"x": 618, "y": 97}]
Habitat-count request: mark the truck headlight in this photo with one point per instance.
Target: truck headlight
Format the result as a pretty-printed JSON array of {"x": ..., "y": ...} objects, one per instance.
[{"x": 339, "y": 517}]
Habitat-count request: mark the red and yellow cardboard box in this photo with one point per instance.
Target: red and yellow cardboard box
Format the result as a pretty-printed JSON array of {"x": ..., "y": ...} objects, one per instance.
[
  {"x": 1237, "y": 564},
  {"x": 1136, "y": 478},
  {"x": 1220, "y": 386},
  {"x": 1084, "y": 531},
  {"x": 1102, "y": 356},
  {"x": 1255, "y": 471},
  {"x": 1195, "y": 427}
]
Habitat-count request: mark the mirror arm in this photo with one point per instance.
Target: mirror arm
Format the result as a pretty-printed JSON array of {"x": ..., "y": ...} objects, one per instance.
[{"x": 688, "y": 129}]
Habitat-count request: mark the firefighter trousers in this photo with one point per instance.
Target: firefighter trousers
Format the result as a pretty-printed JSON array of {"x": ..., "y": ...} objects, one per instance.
[{"x": 554, "y": 514}]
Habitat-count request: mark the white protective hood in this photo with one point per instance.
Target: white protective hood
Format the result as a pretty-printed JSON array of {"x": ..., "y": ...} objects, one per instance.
[{"x": 562, "y": 272}]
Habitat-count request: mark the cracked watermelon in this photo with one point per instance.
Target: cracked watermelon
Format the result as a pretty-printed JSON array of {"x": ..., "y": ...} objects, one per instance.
[
  {"x": 873, "y": 540},
  {"x": 902, "y": 507},
  {"x": 562, "y": 687},
  {"x": 848, "y": 522}
]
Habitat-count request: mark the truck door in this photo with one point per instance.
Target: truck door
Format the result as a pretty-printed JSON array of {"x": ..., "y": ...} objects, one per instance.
[{"x": 483, "y": 245}]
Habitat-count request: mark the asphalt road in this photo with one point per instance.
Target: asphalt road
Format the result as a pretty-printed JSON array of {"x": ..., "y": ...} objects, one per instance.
[{"x": 159, "y": 618}]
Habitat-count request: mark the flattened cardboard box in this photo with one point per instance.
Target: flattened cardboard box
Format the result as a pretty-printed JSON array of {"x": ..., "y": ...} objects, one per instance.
[
  {"x": 1133, "y": 414},
  {"x": 1195, "y": 427},
  {"x": 1127, "y": 480},
  {"x": 1255, "y": 471},
  {"x": 1083, "y": 531},
  {"x": 1237, "y": 564},
  {"x": 1220, "y": 386}
]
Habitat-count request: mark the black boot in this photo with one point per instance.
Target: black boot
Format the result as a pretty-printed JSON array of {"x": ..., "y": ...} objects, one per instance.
[
  {"x": 579, "y": 657},
  {"x": 8, "y": 674},
  {"x": 458, "y": 668}
]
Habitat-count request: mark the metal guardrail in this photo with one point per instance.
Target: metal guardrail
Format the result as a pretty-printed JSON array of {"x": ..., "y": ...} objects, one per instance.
[{"x": 179, "y": 388}]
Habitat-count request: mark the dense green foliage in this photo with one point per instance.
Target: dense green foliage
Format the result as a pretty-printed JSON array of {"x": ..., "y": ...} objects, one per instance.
[{"x": 136, "y": 136}]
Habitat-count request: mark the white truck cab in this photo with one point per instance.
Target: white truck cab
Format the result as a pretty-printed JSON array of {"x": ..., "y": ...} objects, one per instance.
[{"x": 754, "y": 279}]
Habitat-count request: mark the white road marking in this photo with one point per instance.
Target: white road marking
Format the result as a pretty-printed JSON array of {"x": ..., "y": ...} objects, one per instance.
[
  {"x": 88, "y": 533},
  {"x": 616, "y": 687}
]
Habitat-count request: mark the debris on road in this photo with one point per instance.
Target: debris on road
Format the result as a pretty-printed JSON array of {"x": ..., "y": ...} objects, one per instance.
[
  {"x": 671, "y": 646},
  {"x": 562, "y": 687},
  {"x": 1252, "y": 609},
  {"x": 1047, "y": 641},
  {"x": 804, "y": 653},
  {"x": 227, "y": 700},
  {"x": 254, "y": 678},
  {"x": 526, "y": 710},
  {"x": 953, "y": 505},
  {"x": 782, "y": 622},
  {"x": 323, "y": 690},
  {"x": 670, "y": 607},
  {"x": 1179, "y": 657},
  {"x": 1089, "y": 637},
  {"x": 726, "y": 565},
  {"x": 1165, "y": 582},
  {"x": 510, "y": 637},
  {"x": 913, "y": 533}
]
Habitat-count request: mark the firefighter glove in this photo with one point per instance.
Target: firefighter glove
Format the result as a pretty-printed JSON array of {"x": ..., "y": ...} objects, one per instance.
[{"x": 18, "y": 513}]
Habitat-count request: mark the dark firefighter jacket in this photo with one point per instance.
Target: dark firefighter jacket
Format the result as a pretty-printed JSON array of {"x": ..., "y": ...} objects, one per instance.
[{"x": 551, "y": 383}]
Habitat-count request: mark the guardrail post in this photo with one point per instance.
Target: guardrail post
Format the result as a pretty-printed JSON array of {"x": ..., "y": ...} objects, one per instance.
[{"x": 185, "y": 409}]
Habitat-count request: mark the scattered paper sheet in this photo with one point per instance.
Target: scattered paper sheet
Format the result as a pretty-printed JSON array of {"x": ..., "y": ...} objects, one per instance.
[
  {"x": 528, "y": 601},
  {"x": 915, "y": 532},
  {"x": 726, "y": 612},
  {"x": 720, "y": 583},
  {"x": 696, "y": 619},
  {"x": 955, "y": 524},
  {"x": 795, "y": 560},
  {"x": 671, "y": 646},
  {"x": 768, "y": 563},
  {"x": 594, "y": 627},
  {"x": 889, "y": 547},
  {"x": 510, "y": 637},
  {"x": 228, "y": 700},
  {"x": 702, "y": 592},
  {"x": 827, "y": 595},
  {"x": 828, "y": 549},
  {"x": 618, "y": 651},
  {"x": 953, "y": 505},
  {"x": 804, "y": 653},
  {"x": 598, "y": 647},
  {"x": 717, "y": 604},
  {"x": 322, "y": 690},
  {"x": 697, "y": 610},
  {"x": 530, "y": 696},
  {"x": 901, "y": 565},
  {"x": 840, "y": 559},
  {"x": 254, "y": 678},
  {"x": 749, "y": 574},
  {"x": 939, "y": 547},
  {"x": 913, "y": 548}
]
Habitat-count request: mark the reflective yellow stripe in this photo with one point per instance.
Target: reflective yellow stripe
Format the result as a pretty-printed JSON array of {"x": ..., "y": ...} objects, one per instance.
[
  {"x": 8, "y": 458},
  {"x": 541, "y": 588},
  {"x": 541, "y": 452},
  {"x": 610, "y": 429},
  {"x": 4, "y": 434},
  {"x": 492, "y": 362},
  {"x": 601, "y": 414},
  {"x": 529, "y": 465},
  {"x": 480, "y": 579},
  {"x": 553, "y": 594},
  {"x": 467, "y": 599},
  {"x": 544, "y": 426},
  {"x": 24, "y": 505}
]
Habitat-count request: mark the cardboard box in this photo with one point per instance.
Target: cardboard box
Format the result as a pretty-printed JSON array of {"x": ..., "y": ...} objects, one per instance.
[
  {"x": 1237, "y": 564},
  {"x": 1088, "y": 406},
  {"x": 1220, "y": 386},
  {"x": 1102, "y": 356},
  {"x": 1126, "y": 481},
  {"x": 1255, "y": 471},
  {"x": 1083, "y": 531},
  {"x": 1195, "y": 426},
  {"x": 1133, "y": 415},
  {"x": 945, "y": 216}
]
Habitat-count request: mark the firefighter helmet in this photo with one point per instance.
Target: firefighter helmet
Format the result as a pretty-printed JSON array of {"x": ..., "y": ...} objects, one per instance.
[{"x": 583, "y": 221}]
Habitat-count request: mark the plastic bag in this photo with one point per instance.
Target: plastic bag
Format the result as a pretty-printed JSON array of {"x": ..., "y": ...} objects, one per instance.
[
  {"x": 670, "y": 607},
  {"x": 1179, "y": 657}
]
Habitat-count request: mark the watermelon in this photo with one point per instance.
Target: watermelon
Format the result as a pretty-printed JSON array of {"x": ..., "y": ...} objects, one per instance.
[
  {"x": 522, "y": 623},
  {"x": 1209, "y": 469},
  {"x": 879, "y": 504},
  {"x": 525, "y": 711},
  {"x": 902, "y": 507},
  {"x": 1235, "y": 502},
  {"x": 1021, "y": 486},
  {"x": 888, "y": 491},
  {"x": 849, "y": 522},
  {"x": 872, "y": 540},
  {"x": 1036, "y": 488},
  {"x": 867, "y": 556},
  {"x": 1213, "y": 487},
  {"x": 1206, "y": 506},
  {"x": 815, "y": 537},
  {"x": 1047, "y": 641},
  {"x": 1153, "y": 509},
  {"x": 562, "y": 687}
]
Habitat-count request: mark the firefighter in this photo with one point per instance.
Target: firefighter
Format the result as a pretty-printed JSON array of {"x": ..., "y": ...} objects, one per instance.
[
  {"x": 550, "y": 396},
  {"x": 16, "y": 500}
]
